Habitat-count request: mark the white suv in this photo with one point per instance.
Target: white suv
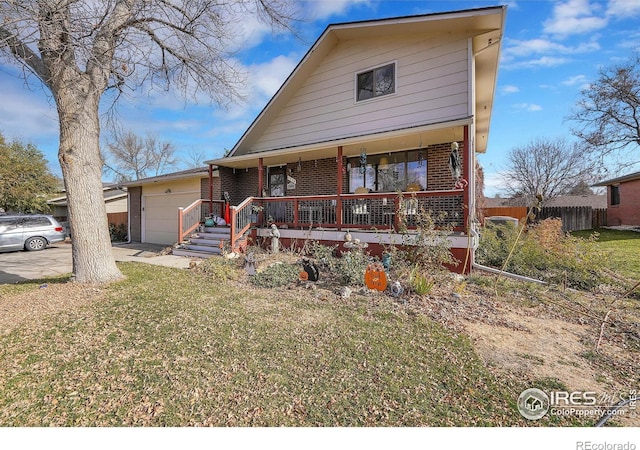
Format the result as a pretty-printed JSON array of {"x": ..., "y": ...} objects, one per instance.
[{"x": 29, "y": 232}]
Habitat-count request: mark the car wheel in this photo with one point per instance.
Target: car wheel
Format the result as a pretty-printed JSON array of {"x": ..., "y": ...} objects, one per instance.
[{"x": 35, "y": 243}]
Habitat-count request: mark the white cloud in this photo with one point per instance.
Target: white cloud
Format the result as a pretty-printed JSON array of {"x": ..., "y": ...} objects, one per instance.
[
  {"x": 266, "y": 78},
  {"x": 516, "y": 48},
  {"x": 529, "y": 107},
  {"x": 574, "y": 17},
  {"x": 543, "y": 62},
  {"x": 324, "y": 9},
  {"x": 623, "y": 8},
  {"x": 575, "y": 80},
  {"x": 509, "y": 89}
]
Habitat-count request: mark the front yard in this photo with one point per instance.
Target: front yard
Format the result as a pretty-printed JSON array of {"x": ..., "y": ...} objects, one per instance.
[{"x": 170, "y": 347}]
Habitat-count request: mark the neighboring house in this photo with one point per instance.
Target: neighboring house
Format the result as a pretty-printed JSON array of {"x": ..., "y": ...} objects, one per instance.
[
  {"x": 115, "y": 201},
  {"x": 374, "y": 107},
  {"x": 623, "y": 200},
  {"x": 154, "y": 202}
]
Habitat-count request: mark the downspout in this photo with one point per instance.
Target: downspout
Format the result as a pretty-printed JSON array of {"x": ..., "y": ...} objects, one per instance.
[{"x": 128, "y": 217}]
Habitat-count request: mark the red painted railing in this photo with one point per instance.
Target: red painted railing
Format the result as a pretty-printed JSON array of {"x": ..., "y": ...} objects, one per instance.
[
  {"x": 192, "y": 216},
  {"x": 378, "y": 211}
]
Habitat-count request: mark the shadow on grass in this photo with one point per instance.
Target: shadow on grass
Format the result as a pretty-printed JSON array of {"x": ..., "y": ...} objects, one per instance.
[{"x": 26, "y": 285}]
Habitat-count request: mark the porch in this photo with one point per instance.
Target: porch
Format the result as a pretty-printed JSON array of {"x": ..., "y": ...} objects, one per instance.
[{"x": 377, "y": 219}]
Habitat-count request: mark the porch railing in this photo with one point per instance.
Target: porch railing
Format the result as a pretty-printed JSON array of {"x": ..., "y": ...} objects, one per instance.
[
  {"x": 386, "y": 211},
  {"x": 241, "y": 220},
  {"x": 192, "y": 216},
  {"x": 378, "y": 210}
]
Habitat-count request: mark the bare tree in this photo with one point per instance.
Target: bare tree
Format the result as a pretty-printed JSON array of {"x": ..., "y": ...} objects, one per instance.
[
  {"x": 132, "y": 157},
  {"x": 79, "y": 49},
  {"x": 607, "y": 116},
  {"x": 546, "y": 167}
]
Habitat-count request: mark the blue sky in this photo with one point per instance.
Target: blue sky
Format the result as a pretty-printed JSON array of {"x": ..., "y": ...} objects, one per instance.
[{"x": 550, "y": 51}]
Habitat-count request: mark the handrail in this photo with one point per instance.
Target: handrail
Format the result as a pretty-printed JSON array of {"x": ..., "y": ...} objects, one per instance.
[
  {"x": 240, "y": 220},
  {"x": 190, "y": 217}
]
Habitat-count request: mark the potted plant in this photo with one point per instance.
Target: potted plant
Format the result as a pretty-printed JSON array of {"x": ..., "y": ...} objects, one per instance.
[{"x": 255, "y": 209}]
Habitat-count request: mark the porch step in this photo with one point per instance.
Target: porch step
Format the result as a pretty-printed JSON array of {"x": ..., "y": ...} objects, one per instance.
[{"x": 204, "y": 244}]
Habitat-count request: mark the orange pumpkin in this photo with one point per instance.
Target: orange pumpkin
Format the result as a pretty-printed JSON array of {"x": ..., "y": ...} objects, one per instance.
[
  {"x": 304, "y": 276},
  {"x": 375, "y": 277}
]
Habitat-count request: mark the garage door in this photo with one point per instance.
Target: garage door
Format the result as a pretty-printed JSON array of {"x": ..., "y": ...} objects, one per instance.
[{"x": 160, "y": 216}]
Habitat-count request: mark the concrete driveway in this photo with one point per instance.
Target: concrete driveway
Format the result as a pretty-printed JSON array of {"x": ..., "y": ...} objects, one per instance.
[{"x": 56, "y": 260}]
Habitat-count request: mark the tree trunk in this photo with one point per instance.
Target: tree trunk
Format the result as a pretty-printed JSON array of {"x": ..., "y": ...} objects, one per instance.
[{"x": 79, "y": 155}]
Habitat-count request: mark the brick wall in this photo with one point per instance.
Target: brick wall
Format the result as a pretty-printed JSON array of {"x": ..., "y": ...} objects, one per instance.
[
  {"x": 204, "y": 188},
  {"x": 628, "y": 211},
  {"x": 438, "y": 173},
  {"x": 315, "y": 177},
  {"x": 239, "y": 185},
  {"x": 135, "y": 213},
  {"x": 319, "y": 177}
]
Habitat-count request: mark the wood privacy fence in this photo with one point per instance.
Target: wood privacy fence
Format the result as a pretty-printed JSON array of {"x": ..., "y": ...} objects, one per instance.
[
  {"x": 519, "y": 212},
  {"x": 117, "y": 218},
  {"x": 574, "y": 218}
]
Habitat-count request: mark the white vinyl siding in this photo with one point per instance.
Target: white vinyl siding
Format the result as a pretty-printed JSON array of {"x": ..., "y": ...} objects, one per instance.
[{"x": 431, "y": 87}]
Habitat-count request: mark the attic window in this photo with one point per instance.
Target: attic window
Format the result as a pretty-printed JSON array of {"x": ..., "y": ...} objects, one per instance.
[{"x": 376, "y": 82}]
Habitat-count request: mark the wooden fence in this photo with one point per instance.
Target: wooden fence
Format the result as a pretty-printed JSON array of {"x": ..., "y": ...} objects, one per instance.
[
  {"x": 574, "y": 218},
  {"x": 116, "y": 219},
  {"x": 519, "y": 212}
]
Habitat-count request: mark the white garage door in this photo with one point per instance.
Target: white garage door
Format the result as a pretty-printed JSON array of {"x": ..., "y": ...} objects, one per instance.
[{"x": 160, "y": 216}]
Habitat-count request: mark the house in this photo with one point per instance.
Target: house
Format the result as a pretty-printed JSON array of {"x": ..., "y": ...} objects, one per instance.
[
  {"x": 623, "y": 199},
  {"x": 115, "y": 200},
  {"x": 154, "y": 202},
  {"x": 373, "y": 108}
]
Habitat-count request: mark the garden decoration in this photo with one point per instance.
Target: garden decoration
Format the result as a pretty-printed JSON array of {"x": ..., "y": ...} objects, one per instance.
[
  {"x": 303, "y": 276},
  {"x": 386, "y": 261},
  {"x": 375, "y": 277},
  {"x": 396, "y": 289},
  {"x": 275, "y": 238},
  {"x": 250, "y": 264},
  {"x": 310, "y": 269}
]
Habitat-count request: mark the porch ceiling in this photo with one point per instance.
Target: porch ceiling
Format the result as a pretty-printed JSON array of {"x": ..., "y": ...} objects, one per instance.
[{"x": 373, "y": 144}]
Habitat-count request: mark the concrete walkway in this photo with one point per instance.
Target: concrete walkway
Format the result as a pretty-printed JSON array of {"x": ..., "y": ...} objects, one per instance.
[{"x": 56, "y": 260}]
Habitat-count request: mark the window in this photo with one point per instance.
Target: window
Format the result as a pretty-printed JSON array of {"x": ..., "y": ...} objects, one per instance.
[
  {"x": 615, "y": 195},
  {"x": 401, "y": 171},
  {"x": 377, "y": 82}
]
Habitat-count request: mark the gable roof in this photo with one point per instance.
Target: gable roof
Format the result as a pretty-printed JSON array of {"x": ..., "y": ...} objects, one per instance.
[
  {"x": 622, "y": 179},
  {"x": 109, "y": 193},
  {"x": 189, "y": 173},
  {"x": 484, "y": 26}
]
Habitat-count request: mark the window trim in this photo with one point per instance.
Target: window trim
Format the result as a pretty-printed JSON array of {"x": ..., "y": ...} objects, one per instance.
[
  {"x": 373, "y": 69},
  {"x": 615, "y": 195}
]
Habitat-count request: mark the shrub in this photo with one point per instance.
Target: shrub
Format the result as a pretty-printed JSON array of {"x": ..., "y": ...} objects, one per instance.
[
  {"x": 219, "y": 269},
  {"x": 118, "y": 233},
  {"x": 276, "y": 275},
  {"x": 544, "y": 253}
]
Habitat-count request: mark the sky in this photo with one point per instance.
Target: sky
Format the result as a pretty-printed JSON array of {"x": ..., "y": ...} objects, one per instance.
[{"x": 551, "y": 50}]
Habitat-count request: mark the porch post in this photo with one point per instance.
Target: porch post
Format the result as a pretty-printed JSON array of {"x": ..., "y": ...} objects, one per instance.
[
  {"x": 210, "y": 188},
  {"x": 260, "y": 177},
  {"x": 339, "y": 189}
]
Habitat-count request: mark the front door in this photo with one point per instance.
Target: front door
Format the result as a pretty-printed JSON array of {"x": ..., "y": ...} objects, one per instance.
[{"x": 277, "y": 184}]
